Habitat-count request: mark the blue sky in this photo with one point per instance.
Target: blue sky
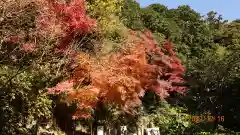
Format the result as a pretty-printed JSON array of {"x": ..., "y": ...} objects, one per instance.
[{"x": 230, "y": 9}]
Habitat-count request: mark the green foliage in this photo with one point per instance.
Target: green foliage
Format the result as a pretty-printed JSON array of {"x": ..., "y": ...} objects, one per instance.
[
  {"x": 231, "y": 34},
  {"x": 209, "y": 49},
  {"x": 155, "y": 22},
  {"x": 131, "y": 15},
  {"x": 172, "y": 120},
  {"x": 159, "y": 37},
  {"x": 107, "y": 15},
  {"x": 160, "y": 9},
  {"x": 214, "y": 86},
  {"x": 24, "y": 105}
]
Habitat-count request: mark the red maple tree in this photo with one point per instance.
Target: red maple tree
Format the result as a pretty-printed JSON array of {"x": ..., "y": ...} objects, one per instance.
[
  {"x": 121, "y": 78},
  {"x": 70, "y": 17}
]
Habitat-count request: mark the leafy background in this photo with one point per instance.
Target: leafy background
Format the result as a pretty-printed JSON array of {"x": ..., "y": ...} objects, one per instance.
[{"x": 68, "y": 65}]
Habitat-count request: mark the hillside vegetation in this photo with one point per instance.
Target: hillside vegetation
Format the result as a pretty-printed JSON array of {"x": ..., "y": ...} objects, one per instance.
[{"x": 68, "y": 65}]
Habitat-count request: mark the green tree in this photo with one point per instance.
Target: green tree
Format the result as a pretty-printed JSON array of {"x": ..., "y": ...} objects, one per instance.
[{"x": 131, "y": 15}]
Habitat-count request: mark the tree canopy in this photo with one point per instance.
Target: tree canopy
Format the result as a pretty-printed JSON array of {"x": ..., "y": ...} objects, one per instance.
[{"x": 66, "y": 64}]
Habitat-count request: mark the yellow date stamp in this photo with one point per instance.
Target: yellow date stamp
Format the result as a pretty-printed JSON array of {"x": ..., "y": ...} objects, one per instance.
[{"x": 205, "y": 118}]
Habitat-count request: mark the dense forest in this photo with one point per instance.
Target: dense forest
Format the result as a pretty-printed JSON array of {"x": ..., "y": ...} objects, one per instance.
[{"x": 70, "y": 65}]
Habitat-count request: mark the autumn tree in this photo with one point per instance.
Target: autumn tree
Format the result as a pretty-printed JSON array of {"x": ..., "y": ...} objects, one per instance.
[
  {"x": 121, "y": 78},
  {"x": 32, "y": 33}
]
